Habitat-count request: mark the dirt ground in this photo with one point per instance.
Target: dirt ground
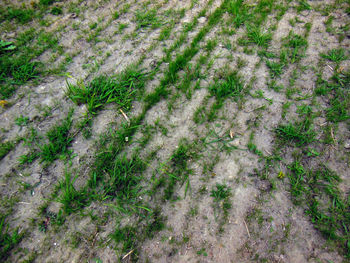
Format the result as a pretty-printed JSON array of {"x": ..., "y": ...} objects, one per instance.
[{"x": 264, "y": 216}]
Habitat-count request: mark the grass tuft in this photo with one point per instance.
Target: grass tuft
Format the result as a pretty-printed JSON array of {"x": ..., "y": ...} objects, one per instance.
[
  {"x": 5, "y": 148},
  {"x": 59, "y": 140},
  {"x": 301, "y": 133},
  {"x": 230, "y": 85},
  {"x": 335, "y": 55},
  {"x": 102, "y": 90},
  {"x": 7, "y": 240}
]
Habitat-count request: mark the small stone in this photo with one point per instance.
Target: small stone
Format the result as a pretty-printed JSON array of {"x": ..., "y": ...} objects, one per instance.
[
  {"x": 347, "y": 144},
  {"x": 202, "y": 20},
  {"x": 236, "y": 142},
  {"x": 11, "y": 35}
]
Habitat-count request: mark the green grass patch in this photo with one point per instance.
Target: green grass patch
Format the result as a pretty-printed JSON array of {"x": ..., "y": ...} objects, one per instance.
[
  {"x": 335, "y": 55},
  {"x": 327, "y": 207},
  {"x": 147, "y": 19},
  {"x": 21, "y": 15},
  {"x": 72, "y": 200},
  {"x": 229, "y": 85},
  {"x": 121, "y": 89},
  {"x": 300, "y": 133},
  {"x": 296, "y": 46},
  {"x": 238, "y": 11},
  {"x": 7, "y": 240},
  {"x": 257, "y": 37},
  {"x": 59, "y": 139},
  {"x": 221, "y": 194},
  {"x": 5, "y": 148}
]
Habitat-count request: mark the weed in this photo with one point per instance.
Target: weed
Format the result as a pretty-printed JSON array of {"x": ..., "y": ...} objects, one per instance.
[
  {"x": 303, "y": 5},
  {"x": 6, "y": 46},
  {"x": 339, "y": 109},
  {"x": 221, "y": 194},
  {"x": 122, "y": 179},
  {"x": 211, "y": 44},
  {"x": 165, "y": 32},
  {"x": 121, "y": 27}
]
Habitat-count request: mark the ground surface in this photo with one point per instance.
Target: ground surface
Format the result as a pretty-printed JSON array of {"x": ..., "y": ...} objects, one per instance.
[{"x": 175, "y": 131}]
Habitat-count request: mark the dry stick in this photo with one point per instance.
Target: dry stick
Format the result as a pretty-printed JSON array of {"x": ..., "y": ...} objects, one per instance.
[
  {"x": 126, "y": 117},
  {"x": 246, "y": 227},
  {"x": 128, "y": 254}
]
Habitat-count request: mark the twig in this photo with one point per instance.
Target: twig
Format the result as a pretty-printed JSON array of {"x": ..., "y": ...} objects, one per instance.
[
  {"x": 332, "y": 134},
  {"x": 246, "y": 227},
  {"x": 126, "y": 117},
  {"x": 330, "y": 67},
  {"x": 128, "y": 254}
]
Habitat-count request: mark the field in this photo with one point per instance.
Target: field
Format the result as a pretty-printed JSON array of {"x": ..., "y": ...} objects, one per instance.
[{"x": 175, "y": 131}]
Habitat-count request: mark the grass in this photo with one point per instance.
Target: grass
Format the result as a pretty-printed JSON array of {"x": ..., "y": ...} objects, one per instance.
[
  {"x": 22, "y": 121},
  {"x": 16, "y": 68},
  {"x": 122, "y": 179},
  {"x": 238, "y": 11},
  {"x": 72, "y": 200},
  {"x": 257, "y": 37},
  {"x": 7, "y": 240},
  {"x": 120, "y": 89},
  {"x": 59, "y": 139},
  {"x": 229, "y": 86},
  {"x": 179, "y": 171},
  {"x": 296, "y": 45},
  {"x": 5, "y": 148},
  {"x": 338, "y": 96},
  {"x": 221, "y": 194},
  {"x": 335, "y": 55},
  {"x": 300, "y": 133},
  {"x": 147, "y": 19},
  {"x": 318, "y": 190},
  {"x": 22, "y": 15},
  {"x": 276, "y": 68},
  {"x": 117, "y": 178}
]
